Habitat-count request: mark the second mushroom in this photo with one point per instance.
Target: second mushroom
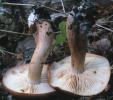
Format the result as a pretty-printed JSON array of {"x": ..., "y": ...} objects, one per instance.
[{"x": 81, "y": 73}]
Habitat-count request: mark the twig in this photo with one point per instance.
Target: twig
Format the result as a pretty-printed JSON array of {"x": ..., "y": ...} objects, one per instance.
[
  {"x": 104, "y": 28},
  {"x": 63, "y": 6},
  {"x": 3, "y": 35},
  {"x": 109, "y": 21},
  {"x": 109, "y": 17},
  {"x": 31, "y": 5},
  {"x": 52, "y": 8},
  {"x": 5, "y": 51},
  {"x": 11, "y": 32},
  {"x": 106, "y": 22},
  {"x": 57, "y": 32},
  {"x": 17, "y": 4}
]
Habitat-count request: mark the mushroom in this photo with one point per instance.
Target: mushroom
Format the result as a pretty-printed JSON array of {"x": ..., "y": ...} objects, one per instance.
[
  {"x": 81, "y": 73},
  {"x": 30, "y": 79}
]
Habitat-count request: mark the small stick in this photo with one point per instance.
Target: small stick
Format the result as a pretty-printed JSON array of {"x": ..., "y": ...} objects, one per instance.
[
  {"x": 109, "y": 17},
  {"x": 63, "y": 6},
  {"x": 10, "y": 52},
  {"x": 5, "y": 51},
  {"x": 106, "y": 22},
  {"x": 3, "y": 35},
  {"x": 104, "y": 28},
  {"x": 31, "y": 5},
  {"x": 57, "y": 32},
  {"x": 17, "y": 4},
  {"x": 11, "y": 32},
  {"x": 54, "y": 10},
  {"x": 109, "y": 21}
]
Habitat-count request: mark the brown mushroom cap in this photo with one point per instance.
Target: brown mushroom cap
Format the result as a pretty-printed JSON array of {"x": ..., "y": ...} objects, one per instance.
[
  {"x": 92, "y": 81},
  {"x": 16, "y": 81}
]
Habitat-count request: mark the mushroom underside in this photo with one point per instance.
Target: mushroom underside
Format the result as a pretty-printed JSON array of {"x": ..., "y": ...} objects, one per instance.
[
  {"x": 16, "y": 80},
  {"x": 92, "y": 81}
]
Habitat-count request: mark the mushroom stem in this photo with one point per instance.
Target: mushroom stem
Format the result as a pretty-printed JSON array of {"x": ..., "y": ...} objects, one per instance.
[
  {"x": 77, "y": 41},
  {"x": 36, "y": 65},
  {"x": 44, "y": 40}
]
